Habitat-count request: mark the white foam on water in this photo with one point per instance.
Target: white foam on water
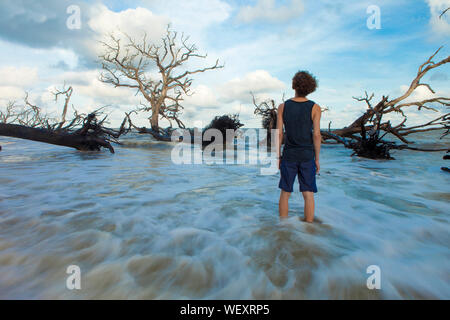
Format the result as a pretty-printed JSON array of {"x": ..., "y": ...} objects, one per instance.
[{"x": 141, "y": 227}]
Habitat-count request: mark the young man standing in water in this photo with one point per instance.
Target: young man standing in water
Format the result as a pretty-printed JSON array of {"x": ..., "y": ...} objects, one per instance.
[{"x": 300, "y": 118}]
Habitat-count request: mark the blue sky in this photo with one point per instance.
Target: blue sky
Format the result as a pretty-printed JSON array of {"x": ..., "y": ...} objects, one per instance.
[{"x": 262, "y": 43}]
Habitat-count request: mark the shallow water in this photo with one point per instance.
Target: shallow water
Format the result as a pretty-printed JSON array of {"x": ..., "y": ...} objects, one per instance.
[{"x": 140, "y": 226}]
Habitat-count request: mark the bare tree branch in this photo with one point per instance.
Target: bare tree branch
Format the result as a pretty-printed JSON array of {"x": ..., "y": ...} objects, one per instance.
[
  {"x": 83, "y": 132},
  {"x": 129, "y": 65}
]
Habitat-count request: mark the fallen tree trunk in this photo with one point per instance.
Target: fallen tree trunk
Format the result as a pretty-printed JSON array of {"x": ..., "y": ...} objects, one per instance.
[
  {"x": 77, "y": 140},
  {"x": 82, "y": 132},
  {"x": 157, "y": 135}
]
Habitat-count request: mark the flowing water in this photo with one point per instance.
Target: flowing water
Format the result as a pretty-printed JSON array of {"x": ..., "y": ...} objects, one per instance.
[{"x": 140, "y": 226}]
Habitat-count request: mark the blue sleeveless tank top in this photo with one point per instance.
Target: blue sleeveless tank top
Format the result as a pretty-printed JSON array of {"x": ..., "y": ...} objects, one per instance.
[{"x": 298, "y": 125}]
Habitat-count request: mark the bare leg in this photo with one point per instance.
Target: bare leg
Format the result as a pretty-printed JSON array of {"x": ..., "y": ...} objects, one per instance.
[
  {"x": 308, "y": 197},
  {"x": 283, "y": 205}
]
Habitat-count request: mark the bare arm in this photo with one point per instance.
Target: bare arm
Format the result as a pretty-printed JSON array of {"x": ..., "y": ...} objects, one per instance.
[
  {"x": 280, "y": 129},
  {"x": 317, "y": 138}
]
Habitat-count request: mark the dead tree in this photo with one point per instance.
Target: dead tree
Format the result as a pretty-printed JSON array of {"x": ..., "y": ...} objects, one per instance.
[
  {"x": 128, "y": 65},
  {"x": 223, "y": 123},
  {"x": 373, "y": 146},
  {"x": 370, "y": 121},
  {"x": 267, "y": 110},
  {"x": 83, "y": 132}
]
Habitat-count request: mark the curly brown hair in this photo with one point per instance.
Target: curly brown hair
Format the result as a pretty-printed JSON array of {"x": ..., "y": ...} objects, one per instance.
[{"x": 304, "y": 83}]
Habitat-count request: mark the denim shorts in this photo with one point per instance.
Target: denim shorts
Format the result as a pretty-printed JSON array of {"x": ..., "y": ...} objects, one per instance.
[{"x": 306, "y": 171}]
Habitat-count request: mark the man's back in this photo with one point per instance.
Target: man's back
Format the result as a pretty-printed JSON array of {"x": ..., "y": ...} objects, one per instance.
[{"x": 298, "y": 126}]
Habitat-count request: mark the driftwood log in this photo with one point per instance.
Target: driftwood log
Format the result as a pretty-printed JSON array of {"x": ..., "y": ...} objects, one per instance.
[{"x": 82, "y": 132}]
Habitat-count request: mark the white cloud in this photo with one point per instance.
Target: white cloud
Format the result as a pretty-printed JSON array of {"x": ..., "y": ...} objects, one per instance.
[
  {"x": 232, "y": 97},
  {"x": 422, "y": 93},
  {"x": 267, "y": 11},
  {"x": 192, "y": 17},
  {"x": 439, "y": 25},
  {"x": 196, "y": 19},
  {"x": 341, "y": 117},
  {"x": 104, "y": 94},
  {"x": 14, "y": 82},
  {"x": 202, "y": 96},
  {"x": 134, "y": 22},
  {"x": 258, "y": 82},
  {"x": 10, "y": 93},
  {"x": 86, "y": 84},
  {"x": 18, "y": 77},
  {"x": 47, "y": 97}
]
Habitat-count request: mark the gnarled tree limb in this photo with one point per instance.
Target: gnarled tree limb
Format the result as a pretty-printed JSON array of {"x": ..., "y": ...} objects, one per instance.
[
  {"x": 82, "y": 132},
  {"x": 128, "y": 66}
]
